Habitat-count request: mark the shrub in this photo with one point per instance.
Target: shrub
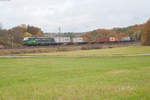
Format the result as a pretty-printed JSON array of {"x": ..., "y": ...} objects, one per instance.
[{"x": 88, "y": 47}]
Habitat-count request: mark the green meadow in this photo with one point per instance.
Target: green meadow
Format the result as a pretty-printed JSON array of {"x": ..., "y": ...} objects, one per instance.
[
  {"x": 131, "y": 50},
  {"x": 77, "y": 75}
]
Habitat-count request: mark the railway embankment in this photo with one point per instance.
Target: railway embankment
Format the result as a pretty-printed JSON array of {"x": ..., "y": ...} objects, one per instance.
[{"x": 58, "y": 48}]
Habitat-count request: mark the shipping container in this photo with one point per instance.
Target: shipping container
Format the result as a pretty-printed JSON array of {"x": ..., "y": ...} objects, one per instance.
[
  {"x": 125, "y": 39},
  {"x": 116, "y": 39},
  {"x": 132, "y": 38},
  {"x": 62, "y": 39},
  {"x": 112, "y": 39},
  {"x": 78, "y": 40}
]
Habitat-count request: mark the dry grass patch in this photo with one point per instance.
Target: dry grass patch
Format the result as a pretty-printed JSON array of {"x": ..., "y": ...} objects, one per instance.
[{"x": 119, "y": 72}]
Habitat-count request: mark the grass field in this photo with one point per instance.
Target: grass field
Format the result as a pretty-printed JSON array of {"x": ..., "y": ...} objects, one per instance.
[
  {"x": 100, "y": 52},
  {"x": 77, "y": 78}
]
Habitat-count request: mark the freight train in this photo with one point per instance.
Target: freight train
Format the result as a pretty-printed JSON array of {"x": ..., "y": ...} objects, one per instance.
[{"x": 35, "y": 41}]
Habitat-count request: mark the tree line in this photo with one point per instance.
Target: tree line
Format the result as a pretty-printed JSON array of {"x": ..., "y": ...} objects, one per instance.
[
  {"x": 131, "y": 31},
  {"x": 14, "y": 37},
  {"x": 140, "y": 32}
]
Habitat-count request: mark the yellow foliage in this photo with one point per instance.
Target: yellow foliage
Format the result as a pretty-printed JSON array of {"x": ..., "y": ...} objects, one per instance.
[{"x": 27, "y": 34}]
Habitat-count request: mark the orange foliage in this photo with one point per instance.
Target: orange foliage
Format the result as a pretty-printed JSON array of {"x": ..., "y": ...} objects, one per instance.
[
  {"x": 131, "y": 31},
  {"x": 146, "y": 35}
]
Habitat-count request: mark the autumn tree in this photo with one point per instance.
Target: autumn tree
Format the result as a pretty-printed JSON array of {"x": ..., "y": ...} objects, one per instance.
[
  {"x": 146, "y": 35},
  {"x": 16, "y": 36},
  {"x": 35, "y": 31},
  {"x": 4, "y": 37},
  {"x": 69, "y": 34},
  {"x": 91, "y": 36},
  {"x": 1, "y": 26},
  {"x": 94, "y": 36}
]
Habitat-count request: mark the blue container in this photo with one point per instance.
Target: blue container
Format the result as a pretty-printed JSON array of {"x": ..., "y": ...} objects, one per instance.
[{"x": 125, "y": 39}]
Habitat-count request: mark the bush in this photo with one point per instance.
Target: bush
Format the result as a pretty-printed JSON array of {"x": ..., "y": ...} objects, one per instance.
[{"x": 90, "y": 47}]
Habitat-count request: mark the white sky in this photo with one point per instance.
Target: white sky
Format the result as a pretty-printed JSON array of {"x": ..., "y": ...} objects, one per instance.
[{"x": 74, "y": 15}]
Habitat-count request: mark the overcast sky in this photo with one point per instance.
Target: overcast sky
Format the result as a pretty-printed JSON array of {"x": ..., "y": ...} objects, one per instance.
[{"x": 74, "y": 15}]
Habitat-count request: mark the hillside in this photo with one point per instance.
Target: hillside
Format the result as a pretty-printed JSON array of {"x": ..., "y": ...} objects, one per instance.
[{"x": 132, "y": 31}]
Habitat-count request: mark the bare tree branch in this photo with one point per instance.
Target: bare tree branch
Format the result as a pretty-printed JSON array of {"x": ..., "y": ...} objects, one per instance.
[{"x": 1, "y": 26}]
